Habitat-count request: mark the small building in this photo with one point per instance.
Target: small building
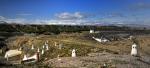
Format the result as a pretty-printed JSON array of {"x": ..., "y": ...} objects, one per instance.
[{"x": 13, "y": 55}]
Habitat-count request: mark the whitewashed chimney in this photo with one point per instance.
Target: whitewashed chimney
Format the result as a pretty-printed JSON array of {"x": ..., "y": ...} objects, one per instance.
[
  {"x": 42, "y": 51},
  {"x": 134, "y": 50},
  {"x": 32, "y": 47},
  {"x": 47, "y": 47},
  {"x": 73, "y": 53},
  {"x": 43, "y": 46},
  {"x": 25, "y": 57}
]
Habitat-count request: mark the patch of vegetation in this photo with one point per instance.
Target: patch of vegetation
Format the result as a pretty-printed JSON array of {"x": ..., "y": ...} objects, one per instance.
[{"x": 56, "y": 29}]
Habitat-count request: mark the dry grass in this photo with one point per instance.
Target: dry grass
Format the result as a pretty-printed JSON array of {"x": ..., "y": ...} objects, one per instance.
[{"x": 79, "y": 41}]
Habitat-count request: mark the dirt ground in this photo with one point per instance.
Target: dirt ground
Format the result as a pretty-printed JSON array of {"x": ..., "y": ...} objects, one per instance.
[
  {"x": 90, "y": 53},
  {"x": 101, "y": 60}
]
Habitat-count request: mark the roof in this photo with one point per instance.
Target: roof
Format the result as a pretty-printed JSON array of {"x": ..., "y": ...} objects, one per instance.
[{"x": 12, "y": 53}]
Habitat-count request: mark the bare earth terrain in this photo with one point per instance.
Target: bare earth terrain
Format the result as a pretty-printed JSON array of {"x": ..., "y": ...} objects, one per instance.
[{"x": 90, "y": 53}]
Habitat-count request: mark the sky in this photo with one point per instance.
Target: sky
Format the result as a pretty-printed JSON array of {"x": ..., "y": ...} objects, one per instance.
[{"x": 75, "y": 12}]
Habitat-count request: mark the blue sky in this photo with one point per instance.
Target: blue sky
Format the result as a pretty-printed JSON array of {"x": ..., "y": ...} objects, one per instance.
[{"x": 75, "y": 11}]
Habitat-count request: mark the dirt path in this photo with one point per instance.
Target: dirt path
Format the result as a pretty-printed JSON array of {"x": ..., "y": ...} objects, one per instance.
[{"x": 97, "y": 60}]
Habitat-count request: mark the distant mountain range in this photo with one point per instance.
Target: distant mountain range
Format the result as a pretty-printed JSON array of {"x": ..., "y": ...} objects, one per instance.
[{"x": 139, "y": 26}]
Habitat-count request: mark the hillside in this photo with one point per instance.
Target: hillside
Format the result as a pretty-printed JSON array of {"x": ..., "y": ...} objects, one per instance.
[{"x": 85, "y": 47}]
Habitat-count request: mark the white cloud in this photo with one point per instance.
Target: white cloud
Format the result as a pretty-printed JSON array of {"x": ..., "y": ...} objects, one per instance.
[
  {"x": 63, "y": 22},
  {"x": 67, "y": 15},
  {"x": 72, "y": 22},
  {"x": 15, "y": 20},
  {"x": 2, "y": 18},
  {"x": 64, "y": 18},
  {"x": 78, "y": 18},
  {"x": 75, "y": 18}
]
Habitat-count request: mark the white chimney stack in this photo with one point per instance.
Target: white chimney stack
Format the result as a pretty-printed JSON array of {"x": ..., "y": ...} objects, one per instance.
[
  {"x": 134, "y": 51},
  {"x": 73, "y": 53}
]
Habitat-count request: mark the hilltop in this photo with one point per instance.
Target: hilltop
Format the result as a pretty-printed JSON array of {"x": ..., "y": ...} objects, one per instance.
[{"x": 89, "y": 51}]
